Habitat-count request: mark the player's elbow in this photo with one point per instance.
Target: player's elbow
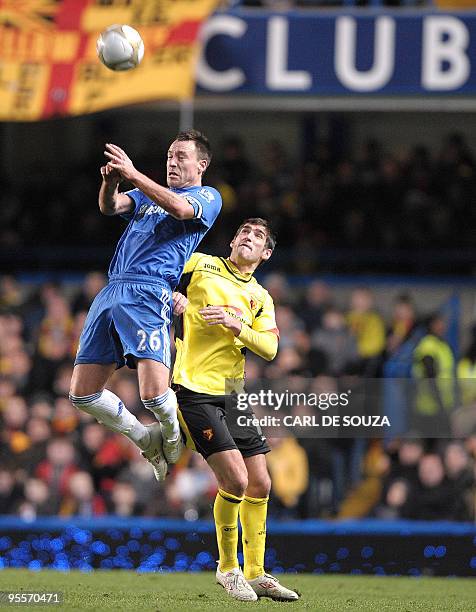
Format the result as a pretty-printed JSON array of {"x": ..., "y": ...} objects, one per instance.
[
  {"x": 107, "y": 212},
  {"x": 106, "y": 209}
]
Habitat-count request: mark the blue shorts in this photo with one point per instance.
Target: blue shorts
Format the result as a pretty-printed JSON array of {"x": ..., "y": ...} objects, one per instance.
[{"x": 130, "y": 317}]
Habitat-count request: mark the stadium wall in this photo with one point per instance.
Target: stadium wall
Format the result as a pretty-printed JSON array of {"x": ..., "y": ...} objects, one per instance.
[{"x": 411, "y": 548}]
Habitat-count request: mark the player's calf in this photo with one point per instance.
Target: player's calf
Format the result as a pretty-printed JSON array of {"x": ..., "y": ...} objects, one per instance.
[
  {"x": 164, "y": 407},
  {"x": 109, "y": 410}
]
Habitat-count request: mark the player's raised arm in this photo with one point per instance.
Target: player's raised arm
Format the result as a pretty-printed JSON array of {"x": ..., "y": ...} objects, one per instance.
[
  {"x": 111, "y": 202},
  {"x": 174, "y": 204}
]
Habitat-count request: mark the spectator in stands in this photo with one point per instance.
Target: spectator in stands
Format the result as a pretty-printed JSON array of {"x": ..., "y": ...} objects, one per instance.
[
  {"x": 58, "y": 467},
  {"x": 406, "y": 461},
  {"x": 369, "y": 330},
  {"x": 434, "y": 372},
  {"x": 288, "y": 324},
  {"x": 460, "y": 472},
  {"x": 395, "y": 502},
  {"x": 334, "y": 347},
  {"x": 124, "y": 500},
  {"x": 65, "y": 418},
  {"x": 38, "y": 500},
  {"x": 316, "y": 302},
  {"x": 433, "y": 497},
  {"x": 55, "y": 339},
  {"x": 80, "y": 498},
  {"x": 192, "y": 489},
  {"x": 38, "y": 431},
  {"x": 279, "y": 289},
  {"x": 11, "y": 294},
  {"x": 140, "y": 475},
  {"x": 463, "y": 420},
  {"x": 92, "y": 285},
  {"x": 403, "y": 322},
  {"x": 10, "y": 490},
  {"x": 14, "y": 419}
]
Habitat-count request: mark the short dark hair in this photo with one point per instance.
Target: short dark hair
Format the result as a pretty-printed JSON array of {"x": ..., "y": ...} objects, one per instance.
[
  {"x": 202, "y": 144},
  {"x": 270, "y": 235}
]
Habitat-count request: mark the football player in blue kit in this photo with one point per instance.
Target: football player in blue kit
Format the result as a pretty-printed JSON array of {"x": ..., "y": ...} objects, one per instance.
[{"x": 129, "y": 320}]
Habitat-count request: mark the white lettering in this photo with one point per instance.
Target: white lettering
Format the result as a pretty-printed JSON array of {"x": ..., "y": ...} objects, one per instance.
[
  {"x": 277, "y": 74},
  {"x": 346, "y": 50},
  {"x": 220, "y": 80},
  {"x": 445, "y": 40}
]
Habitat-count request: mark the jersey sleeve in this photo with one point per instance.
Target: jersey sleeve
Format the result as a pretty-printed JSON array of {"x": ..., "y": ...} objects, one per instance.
[
  {"x": 265, "y": 319},
  {"x": 206, "y": 204},
  {"x": 137, "y": 197}
]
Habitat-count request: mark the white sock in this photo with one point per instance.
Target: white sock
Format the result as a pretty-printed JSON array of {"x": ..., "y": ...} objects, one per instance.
[
  {"x": 108, "y": 409},
  {"x": 164, "y": 408}
]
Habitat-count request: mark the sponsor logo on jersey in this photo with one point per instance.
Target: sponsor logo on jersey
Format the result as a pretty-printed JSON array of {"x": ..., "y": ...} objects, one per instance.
[
  {"x": 148, "y": 209},
  {"x": 207, "y": 195},
  {"x": 212, "y": 267},
  {"x": 235, "y": 312}
]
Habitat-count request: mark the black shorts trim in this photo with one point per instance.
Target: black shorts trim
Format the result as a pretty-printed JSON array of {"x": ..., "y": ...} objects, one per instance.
[{"x": 210, "y": 425}]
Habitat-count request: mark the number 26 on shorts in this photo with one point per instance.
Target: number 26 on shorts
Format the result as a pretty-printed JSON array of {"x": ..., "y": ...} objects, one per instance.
[{"x": 154, "y": 340}]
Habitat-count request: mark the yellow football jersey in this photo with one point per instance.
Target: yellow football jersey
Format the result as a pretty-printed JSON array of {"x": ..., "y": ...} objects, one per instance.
[{"x": 208, "y": 355}]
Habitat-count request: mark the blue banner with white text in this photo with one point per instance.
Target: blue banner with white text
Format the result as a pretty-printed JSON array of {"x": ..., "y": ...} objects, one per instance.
[{"x": 336, "y": 53}]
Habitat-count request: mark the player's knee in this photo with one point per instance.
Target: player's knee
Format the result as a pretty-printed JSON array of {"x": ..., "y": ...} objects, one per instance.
[
  {"x": 264, "y": 486},
  {"x": 259, "y": 487},
  {"x": 235, "y": 483},
  {"x": 84, "y": 402}
]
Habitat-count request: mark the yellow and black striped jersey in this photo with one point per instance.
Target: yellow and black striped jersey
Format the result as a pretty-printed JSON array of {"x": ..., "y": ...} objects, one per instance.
[{"x": 208, "y": 355}]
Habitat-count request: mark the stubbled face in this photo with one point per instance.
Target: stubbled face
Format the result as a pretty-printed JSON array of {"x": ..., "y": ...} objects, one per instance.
[
  {"x": 249, "y": 245},
  {"x": 184, "y": 169}
]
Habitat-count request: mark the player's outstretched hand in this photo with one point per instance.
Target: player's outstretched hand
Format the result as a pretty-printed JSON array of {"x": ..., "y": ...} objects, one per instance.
[
  {"x": 217, "y": 315},
  {"x": 179, "y": 302},
  {"x": 120, "y": 161}
]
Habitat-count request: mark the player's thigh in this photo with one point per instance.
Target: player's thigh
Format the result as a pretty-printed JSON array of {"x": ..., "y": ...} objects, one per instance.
[
  {"x": 97, "y": 344},
  {"x": 153, "y": 378},
  {"x": 89, "y": 378},
  {"x": 229, "y": 469}
]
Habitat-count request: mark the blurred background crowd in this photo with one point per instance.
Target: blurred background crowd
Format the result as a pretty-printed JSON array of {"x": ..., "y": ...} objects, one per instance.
[
  {"x": 373, "y": 200},
  {"x": 57, "y": 460}
]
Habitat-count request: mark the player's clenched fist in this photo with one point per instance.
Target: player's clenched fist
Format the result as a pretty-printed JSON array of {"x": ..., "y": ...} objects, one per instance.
[{"x": 179, "y": 303}]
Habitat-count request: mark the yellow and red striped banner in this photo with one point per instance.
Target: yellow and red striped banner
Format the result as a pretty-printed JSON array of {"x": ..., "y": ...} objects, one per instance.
[{"x": 48, "y": 61}]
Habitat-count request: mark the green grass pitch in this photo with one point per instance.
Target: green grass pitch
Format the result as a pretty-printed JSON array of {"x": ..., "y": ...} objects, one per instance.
[{"x": 121, "y": 591}]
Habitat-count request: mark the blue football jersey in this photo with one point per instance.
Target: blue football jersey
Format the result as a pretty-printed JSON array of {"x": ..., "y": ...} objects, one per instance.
[{"x": 157, "y": 245}]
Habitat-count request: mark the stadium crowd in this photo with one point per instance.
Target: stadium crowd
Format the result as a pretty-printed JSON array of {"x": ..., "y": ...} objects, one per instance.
[
  {"x": 57, "y": 460},
  {"x": 374, "y": 200}
]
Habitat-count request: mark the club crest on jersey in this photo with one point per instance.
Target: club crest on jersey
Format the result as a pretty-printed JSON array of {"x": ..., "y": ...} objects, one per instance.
[
  {"x": 208, "y": 434},
  {"x": 207, "y": 195}
]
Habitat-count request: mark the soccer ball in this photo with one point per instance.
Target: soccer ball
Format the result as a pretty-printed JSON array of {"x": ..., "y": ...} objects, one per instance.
[{"x": 120, "y": 47}]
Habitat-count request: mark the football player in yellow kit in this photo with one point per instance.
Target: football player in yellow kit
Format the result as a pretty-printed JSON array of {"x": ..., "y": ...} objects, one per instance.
[{"x": 228, "y": 313}]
